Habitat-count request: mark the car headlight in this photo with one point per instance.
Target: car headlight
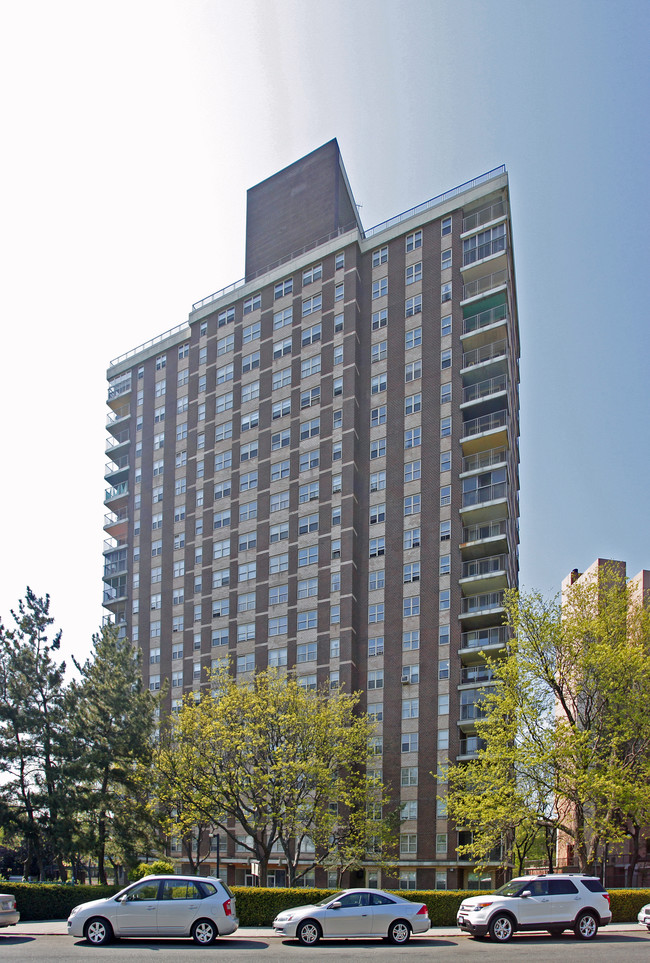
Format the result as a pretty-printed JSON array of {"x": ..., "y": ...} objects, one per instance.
[
  {"x": 482, "y": 905},
  {"x": 74, "y": 911}
]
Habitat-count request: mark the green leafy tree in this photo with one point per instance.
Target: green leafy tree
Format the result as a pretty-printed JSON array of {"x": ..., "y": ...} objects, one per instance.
[
  {"x": 36, "y": 792},
  {"x": 281, "y": 763},
  {"x": 112, "y": 718},
  {"x": 566, "y": 727}
]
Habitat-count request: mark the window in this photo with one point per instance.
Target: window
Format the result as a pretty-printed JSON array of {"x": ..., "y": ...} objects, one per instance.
[
  {"x": 412, "y": 538},
  {"x": 379, "y": 319},
  {"x": 380, "y": 256},
  {"x": 307, "y": 620},
  {"x": 413, "y": 241},
  {"x": 412, "y": 471},
  {"x": 223, "y": 402},
  {"x": 250, "y": 391},
  {"x": 445, "y": 564},
  {"x": 443, "y": 738},
  {"x": 445, "y": 495},
  {"x": 278, "y": 626},
  {"x": 376, "y": 679},
  {"x": 225, "y": 345},
  {"x": 380, "y": 288},
  {"x": 376, "y": 646},
  {"x": 378, "y": 481},
  {"x": 310, "y": 366},
  {"x": 445, "y": 531},
  {"x": 221, "y": 519},
  {"x": 377, "y": 547},
  {"x": 311, "y": 305},
  {"x": 309, "y": 460},
  {"x": 443, "y": 669},
  {"x": 247, "y": 510},
  {"x": 377, "y": 513},
  {"x": 311, "y": 335},
  {"x": 310, "y": 397},
  {"x": 250, "y": 361},
  {"x": 307, "y": 493},
  {"x": 248, "y": 481},
  {"x": 445, "y": 325},
  {"x": 376, "y": 580},
  {"x": 412, "y": 437},
  {"x": 178, "y": 596},
  {"x": 281, "y": 379},
  {"x": 158, "y": 441},
  {"x": 281, "y": 439},
  {"x": 279, "y": 501},
  {"x": 413, "y": 370},
  {"x": 413, "y": 306},
  {"x": 156, "y": 520},
  {"x": 378, "y": 448},
  {"x": 411, "y": 606},
  {"x": 155, "y": 602},
  {"x": 223, "y": 432},
  {"x": 413, "y": 273},
  {"x": 338, "y": 323},
  {"x": 159, "y": 414},
  {"x": 445, "y": 292},
  {"x": 409, "y": 776},
  {"x": 307, "y": 682},
  {"x": 335, "y": 582},
  {"x": 311, "y": 274},
  {"x": 376, "y": 612},
  {"x": 410, "y": 708},
  {"x": 413, "y": 338},
  {"x": 278, "y": 533},
  {"x": 444, "y": 599},
  {"x": 378, "y": 416},
  {"x": 376, "y": 711},
  {"x": 277, "y": 657},
  {"x": 337, "y": 484},
  {"x": 410, "y": 742},
  {"x": 379, "y": 351},
  {"x": 443, "y": 635},
  {"x": 337, "y": 389},
  {"x": 278, "y": 563},
  {"x": 220, "y": 577},
  {"x": 226, "y": 316},
  {"x": 309, "y": 429},
  {"x": 245, "y": 631},
  {"x": 411, "y": 572},
  {"x": 280, "y": 469},
  {"x": 252, "y": 303},
  {"x": 246, "y": 663},
  {"x": 335, "y": 547},
  {"x": 220, "y": 608},
  {"x": 337, "y": 451},
  {"x": 339, "y": 260},
  {"x": 282, "y": 288},
  {"x": 445, "y": 259},
  {"x": 412, "y": 504},
  {"x": 445, "y": 427},
  {"x": 445, "y": 358},
  {"x": 250, "y": 420},
  {"x": 308, "y": 556},
  {"x": 280, "y": 348},
  {"x": 222, "y": 489},
  {"x": 280, "y": 409},
  {"x": 443, "y": 703},
  {"x": 378, "y": 383},
  {"x": 307, "y": 523},
  {"x": 221, "y": 549},
  {"x": 307, "y": 588},
  {"x": 445, "y": 461}
]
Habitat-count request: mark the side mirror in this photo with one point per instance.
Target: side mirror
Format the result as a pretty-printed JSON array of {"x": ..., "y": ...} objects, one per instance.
[
  {"x": 526, "y": 893},
  {"x": 335, "y": 905}
]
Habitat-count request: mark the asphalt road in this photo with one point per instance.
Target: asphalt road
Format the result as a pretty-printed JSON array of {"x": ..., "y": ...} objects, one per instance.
[{"x": 45, "y": 943}]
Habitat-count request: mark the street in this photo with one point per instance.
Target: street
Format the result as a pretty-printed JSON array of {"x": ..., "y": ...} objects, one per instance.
[{"x": 620, "y": 944}]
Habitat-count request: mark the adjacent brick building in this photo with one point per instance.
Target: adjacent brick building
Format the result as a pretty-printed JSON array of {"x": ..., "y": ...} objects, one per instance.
[{"x": 319, "y": 472}]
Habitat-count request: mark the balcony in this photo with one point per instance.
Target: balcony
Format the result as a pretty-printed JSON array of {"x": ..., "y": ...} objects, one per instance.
[
  {"x": 117, "y": 495},
  {"x": 469, "y": 747},
  {"x": 116, "y": 523},
  {"x": 491, "y": 353},
  {"x": 477, "y": 610},
  {"x": 493, "y": 212},
  {"x": 481, "y": 286},
  {"x": 115, "y": 592},
  {"x": 488, "y": 574},
  {"x": 475, "y": 675},
  {"x": 485, "y": 244},
  {"x": 117, "y": 471},
  {"x": 484, "y": 459},
  {"x": 479, "y": 505},
  {"x": 111, "y": 544},
  {"x": 118, "y": 391},
  {"x": 478, "y": 643},
  {"x": 118, "y": 440},
  {"x": 116, "y": 421},
  {"x": 484, "y": 389},
  {"x": 487, "y": 430}
]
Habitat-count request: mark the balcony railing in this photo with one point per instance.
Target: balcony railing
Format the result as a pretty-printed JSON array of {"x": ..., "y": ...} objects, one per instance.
[
  {"x": 482, "y": 495},
  {"x": 476, "y": 426},
  {"x": 121, "y": 388},
  {"x": 481, "y": 251},
  {"x": 476, "y": 533},
  {"x": 480, "y": 603},
  {"x": 118, "y": 439},
  {"x": 487, "y": 352},
  {"x": 484, "y": 216},
  {"x": 484, "y": 318},
  {"x": 475, "y": 674},
  {"x": 484, "y": 459},
  {"x": 480, "y": 638},
  {"x": 112, "y": 518},
  {"x": 116, "y": 491},
  {"x": 484, "y": 566},
  {"x": 485, "y": 388},
  {"x": 116, "y": 465},
  {"x": 123, "y": 412},
  {"x": 110, "y": 544},
  {"x": 115, "y": 568},
  {"x": 470, "y": 745},
  {"x": 473, "y": 711},
  {"x": 484, "y": 284}
]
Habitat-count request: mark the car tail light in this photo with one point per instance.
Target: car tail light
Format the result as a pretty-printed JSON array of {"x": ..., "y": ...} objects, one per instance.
[
  {"x": 423, "y": 911},
  {"x": 606, "y": 895},
  {"x": 226, "y": 908}
]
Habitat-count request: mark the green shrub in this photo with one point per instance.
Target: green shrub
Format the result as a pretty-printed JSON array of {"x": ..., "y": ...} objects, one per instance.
[
  {"x": 158, "y": 868},
  {"x": 52, "y": 901},
  {"x": 626, "y": 903}
]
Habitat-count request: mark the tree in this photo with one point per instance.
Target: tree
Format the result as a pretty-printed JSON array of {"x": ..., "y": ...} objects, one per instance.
[
  {"x": 566, "y": 727},
  {"x": 269, "y": 762},
  {"x": 112, "y": 722},
  {"x": 36, "y": 792}
]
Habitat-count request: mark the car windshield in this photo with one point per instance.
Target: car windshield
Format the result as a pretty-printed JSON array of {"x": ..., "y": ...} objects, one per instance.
[
  {"x": 330, "y": 899},
  {"x": 513, "y": 888}
]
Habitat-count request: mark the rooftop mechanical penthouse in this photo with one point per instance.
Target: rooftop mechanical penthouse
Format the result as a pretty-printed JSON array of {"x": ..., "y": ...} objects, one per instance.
[{"x": 319, "y": 472}]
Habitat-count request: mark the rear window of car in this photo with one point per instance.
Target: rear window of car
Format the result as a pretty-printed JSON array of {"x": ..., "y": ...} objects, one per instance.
[
  {"x": 209, "y": 889},
  {"x": 593, "y": 885},
  {"x": 377, "y": 900},
  {"x": 228, "y": 891}
]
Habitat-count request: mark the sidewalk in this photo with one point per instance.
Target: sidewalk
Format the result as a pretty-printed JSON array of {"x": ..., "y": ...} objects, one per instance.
[{"x": 59, "y": 928}]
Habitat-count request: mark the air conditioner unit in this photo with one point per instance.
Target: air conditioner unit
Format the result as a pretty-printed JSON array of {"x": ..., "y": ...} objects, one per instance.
[{"x": 406, "y": 678}]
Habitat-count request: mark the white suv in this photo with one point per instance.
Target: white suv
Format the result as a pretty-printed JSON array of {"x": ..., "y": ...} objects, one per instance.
[{"x": 551, "y": 902}]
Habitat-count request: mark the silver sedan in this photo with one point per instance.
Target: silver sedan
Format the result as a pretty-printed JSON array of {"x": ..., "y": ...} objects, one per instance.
[
  {"x": 9, "y": 915},
  {"x": 354, "y": 912}
]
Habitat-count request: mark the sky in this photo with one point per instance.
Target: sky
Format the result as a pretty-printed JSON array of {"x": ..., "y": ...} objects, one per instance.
[{"x": 131, "y": 132}]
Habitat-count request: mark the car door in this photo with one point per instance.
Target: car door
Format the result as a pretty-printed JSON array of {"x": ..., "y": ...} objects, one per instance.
[
  {"x": 384, "y": 911},
  {"x": 136, "y": 914},
  {"x": 564, "y": 900},
  {"x": 353, "y": 917},
  {"x": 533, "y": 910},
  {"x": 178, "y": 907}
]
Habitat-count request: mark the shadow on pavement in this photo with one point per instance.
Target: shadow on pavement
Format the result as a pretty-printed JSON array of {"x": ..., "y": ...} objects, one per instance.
[{"x": 160, "y": 942}]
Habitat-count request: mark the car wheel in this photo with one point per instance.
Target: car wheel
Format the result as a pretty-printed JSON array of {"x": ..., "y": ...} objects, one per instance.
[
  {"x": 586, "y": 926},
  {"x": 204, "y": 932},
  {"x": 98, "y": 931},
  {"x": 501, "y": 928},
  {"x": 399, "y": 932},
  {"x": 309, "y": 932}
]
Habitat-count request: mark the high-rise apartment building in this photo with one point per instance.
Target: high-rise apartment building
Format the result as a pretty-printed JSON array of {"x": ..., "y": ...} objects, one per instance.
[{"x": 319, "y": 472}]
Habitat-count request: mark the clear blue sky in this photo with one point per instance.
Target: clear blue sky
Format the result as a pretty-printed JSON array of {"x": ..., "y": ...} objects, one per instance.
[{"x": 131, "y": 132}]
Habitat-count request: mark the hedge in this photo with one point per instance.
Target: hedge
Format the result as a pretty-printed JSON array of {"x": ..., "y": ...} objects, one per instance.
[{"x": 258, "y": 906}]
